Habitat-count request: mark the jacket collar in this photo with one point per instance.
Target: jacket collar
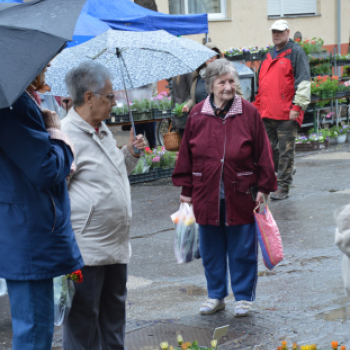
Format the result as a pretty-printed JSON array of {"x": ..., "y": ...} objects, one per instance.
[
  {"x": 84, "y": 125},
  {"x": 235, "y": 109}
]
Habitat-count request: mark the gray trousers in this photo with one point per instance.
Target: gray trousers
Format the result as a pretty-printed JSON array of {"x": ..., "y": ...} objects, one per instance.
[{"x": 97, "y": 318}]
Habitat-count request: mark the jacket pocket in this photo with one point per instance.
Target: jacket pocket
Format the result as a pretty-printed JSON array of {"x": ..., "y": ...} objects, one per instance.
[
  {"x": 197, "y": 173},
  {"x": 88, "y": 219},
  {"x": 243, "y": 187}
]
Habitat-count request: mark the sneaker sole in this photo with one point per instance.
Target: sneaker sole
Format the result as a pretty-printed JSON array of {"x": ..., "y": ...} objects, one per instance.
[
  {"x": 279, "y": 198},
  {"x": 219, "y": 308},
  {"x": 243, "y": 315}
]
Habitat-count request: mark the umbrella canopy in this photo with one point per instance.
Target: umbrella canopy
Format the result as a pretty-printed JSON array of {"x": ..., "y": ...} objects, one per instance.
[
  {"x": 87, "y": 27},
  {"x": 146, "y": 57},
  {"x": 30, "y": 36}
]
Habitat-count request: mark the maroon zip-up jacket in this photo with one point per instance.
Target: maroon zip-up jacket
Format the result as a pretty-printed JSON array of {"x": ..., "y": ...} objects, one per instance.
[{"x": 236, "y": 146}]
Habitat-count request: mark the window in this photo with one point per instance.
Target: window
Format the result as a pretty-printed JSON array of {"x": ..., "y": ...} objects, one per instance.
[
  {"x": 216, "y": 9},
  {"x": 281, "y": 8}
]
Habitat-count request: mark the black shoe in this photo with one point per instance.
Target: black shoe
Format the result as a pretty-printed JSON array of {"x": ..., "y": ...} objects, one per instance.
[
  {"x": 279, "y": 194},
  {"x": 294, "y": 171}
]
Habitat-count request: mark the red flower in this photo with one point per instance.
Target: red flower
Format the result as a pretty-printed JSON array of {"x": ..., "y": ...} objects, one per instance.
[
  {"x": 148, "y": 150},
  {"x": 76, "y": 276},
  {"x": 297, "y": 40},
  {"x": 335, "y": 77},
  {"x": 313, "y": 42},
  {"x": 306, "y": 41}
]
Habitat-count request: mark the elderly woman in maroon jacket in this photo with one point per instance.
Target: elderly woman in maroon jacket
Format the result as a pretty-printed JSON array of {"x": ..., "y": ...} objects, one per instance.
[{"x": 224, "y": 154}]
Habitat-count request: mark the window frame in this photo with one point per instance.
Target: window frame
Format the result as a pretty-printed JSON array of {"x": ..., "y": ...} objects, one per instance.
[
  {"x": 282, "y": 7},
  {"x": 211, "y": 16}
]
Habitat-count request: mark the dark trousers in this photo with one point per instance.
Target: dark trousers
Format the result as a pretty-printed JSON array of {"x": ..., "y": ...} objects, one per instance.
[
  {"x": 237, "y": 245},
  {"x": 32, "y": 314},
  {"x": 97, "y": 318},
  {"x": 150, "y": 130},
  {"x": 282, "y": 134}
]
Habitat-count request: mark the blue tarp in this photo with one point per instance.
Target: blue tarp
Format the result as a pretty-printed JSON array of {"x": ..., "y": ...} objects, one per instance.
[{"x": 126, "y": 15}]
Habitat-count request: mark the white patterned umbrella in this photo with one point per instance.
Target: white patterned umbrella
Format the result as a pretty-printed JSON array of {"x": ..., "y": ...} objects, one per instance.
[{"x": 146, "y": 57}]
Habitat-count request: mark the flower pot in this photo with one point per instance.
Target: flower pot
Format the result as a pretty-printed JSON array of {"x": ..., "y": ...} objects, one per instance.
[
  {"x": 332, "y": 140},
  {"x": 326, "y": 143},
  {"x": 315, "y": 97},
  {"x": 341, "y": 138},
  {"x": 340, "y": 94},
  {"x": 246, "y": 55},
  {"x": 255, "y": 56},
  {"x": 348, "y": 137},
  {"x": 235, "y": 57}
]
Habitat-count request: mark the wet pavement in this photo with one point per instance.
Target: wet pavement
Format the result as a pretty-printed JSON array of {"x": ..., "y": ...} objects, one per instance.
[{"x": 302, "y": 300}]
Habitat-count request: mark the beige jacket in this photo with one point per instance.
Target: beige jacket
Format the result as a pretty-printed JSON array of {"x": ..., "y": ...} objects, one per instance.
[
  {"x": 192, "y": 101},
  {"x": 99, "y": 192}
]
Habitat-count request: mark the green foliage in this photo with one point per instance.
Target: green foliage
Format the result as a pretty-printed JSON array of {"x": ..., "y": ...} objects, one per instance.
[{"x": 178, "y": 109}]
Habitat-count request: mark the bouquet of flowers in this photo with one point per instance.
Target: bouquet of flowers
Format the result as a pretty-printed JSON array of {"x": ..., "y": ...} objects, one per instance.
[{"x": 64, "y": 291}]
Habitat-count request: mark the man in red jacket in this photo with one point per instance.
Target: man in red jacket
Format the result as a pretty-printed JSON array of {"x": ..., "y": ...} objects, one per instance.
[{"x": 283, "y": 95}]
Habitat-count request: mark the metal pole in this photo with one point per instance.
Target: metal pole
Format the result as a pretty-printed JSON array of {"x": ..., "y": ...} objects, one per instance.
[
  {"x": 136, "y": 151},
  {"x": 339, "y": 31}
]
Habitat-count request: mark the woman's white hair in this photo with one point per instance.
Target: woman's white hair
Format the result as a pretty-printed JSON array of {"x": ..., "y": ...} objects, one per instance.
[
  {"x": 88, "y": 76},
  {"x": 215, "y": 69}
]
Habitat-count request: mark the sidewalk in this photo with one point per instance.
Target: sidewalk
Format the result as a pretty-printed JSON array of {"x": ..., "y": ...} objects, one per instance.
[{"x": 293, "y": 301}]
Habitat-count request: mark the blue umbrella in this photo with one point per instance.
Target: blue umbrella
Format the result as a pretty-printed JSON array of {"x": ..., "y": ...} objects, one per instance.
[{"x": 87, "y": 27}]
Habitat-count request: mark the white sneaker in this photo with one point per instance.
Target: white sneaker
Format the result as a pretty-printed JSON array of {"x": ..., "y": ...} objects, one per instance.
[
  {"x": 211, "y": 306},
  {"x": 243, "y": 308}
]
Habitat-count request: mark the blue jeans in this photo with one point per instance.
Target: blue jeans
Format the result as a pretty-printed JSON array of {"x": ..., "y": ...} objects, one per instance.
[
  {"x": 32, "y": 313},
  {"x": 239, "y": 245}
]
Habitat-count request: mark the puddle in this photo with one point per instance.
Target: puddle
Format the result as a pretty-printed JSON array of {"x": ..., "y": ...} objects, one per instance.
[
  {"x": 341, "y": 314},
  {"x": 193, "y": 290}
]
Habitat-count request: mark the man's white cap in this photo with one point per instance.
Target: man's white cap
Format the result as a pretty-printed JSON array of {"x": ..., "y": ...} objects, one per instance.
[{"x": 280, "y": 25}]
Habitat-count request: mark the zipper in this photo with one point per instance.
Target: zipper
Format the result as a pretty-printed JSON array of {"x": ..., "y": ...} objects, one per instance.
[
  {"x": 222, "y": 170},
  {"x": 54, "y": 208}
]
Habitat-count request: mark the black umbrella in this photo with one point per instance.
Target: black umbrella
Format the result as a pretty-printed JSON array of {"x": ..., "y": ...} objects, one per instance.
[{"x": 31, "y": 34}]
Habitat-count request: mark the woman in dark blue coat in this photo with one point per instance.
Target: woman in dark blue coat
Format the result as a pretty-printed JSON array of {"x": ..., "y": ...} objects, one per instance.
[{"x": 36, "y": 238}]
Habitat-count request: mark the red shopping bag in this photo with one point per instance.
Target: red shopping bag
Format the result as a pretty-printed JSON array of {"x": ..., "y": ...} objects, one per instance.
[{"x": 269, "y": 237}]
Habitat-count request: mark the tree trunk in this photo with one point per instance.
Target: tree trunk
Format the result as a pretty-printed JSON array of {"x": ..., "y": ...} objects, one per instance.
[{"x": 148, "y": 4}]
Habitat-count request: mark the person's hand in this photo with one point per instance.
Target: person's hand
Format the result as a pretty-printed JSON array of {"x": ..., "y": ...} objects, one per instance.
[
  {"x": 293, "y": 115},
  {"x": 51, "y": 119},
  {"x": 139, "y": 143},
  {"x": 185, "y": 199},
  {"x": 185, "y": 109},
  {"x": 260, "y": 198}
]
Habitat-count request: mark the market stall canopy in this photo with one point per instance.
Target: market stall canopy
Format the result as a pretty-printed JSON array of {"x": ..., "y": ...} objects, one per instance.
[
  {"x": 87, "y": 27},
  {"x": 128, "y": 16},
  {"x": 31, "y": 34}
]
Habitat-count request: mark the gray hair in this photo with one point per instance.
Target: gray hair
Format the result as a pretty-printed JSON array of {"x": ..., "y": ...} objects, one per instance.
[
  {"x": 88, "y": 76},
  {"x": 215, "y": 69}
]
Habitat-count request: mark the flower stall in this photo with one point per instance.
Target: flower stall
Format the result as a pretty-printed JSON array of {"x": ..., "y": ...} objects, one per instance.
[{"x": 154, "y": 164}]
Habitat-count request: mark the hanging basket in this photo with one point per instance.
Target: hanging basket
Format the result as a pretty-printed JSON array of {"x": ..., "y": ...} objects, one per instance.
[{"x": 172, "y": 140}]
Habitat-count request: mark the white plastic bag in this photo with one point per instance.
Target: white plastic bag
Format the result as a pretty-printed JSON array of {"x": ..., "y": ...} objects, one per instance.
[
  {"x": 64, "y": 291},
  {"x": 3, "y": 287},
  {"x": 186, "y": 234}
]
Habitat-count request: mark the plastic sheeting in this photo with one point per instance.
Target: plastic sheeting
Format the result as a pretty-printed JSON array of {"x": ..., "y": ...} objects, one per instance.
[{"x": 126, "y": 15}]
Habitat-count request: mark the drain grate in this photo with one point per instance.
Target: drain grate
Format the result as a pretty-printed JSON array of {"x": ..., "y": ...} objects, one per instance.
[{"x": 149, "y": 338}]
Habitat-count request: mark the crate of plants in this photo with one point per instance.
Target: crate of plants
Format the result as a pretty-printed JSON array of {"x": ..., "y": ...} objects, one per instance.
[
  {"x": 234, "y": 54},
  {"x": 118, "y": 115},
  {"x": 161, "y": 105},
  {"x": 141, "y": 109},
  {"x": 342, "y": 60}
]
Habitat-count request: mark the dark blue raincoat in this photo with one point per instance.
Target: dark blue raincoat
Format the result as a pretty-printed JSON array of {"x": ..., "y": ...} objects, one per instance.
[{"x": 36, "y": 236}]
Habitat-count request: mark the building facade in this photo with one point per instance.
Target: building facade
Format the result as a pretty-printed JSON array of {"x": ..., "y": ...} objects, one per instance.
[{"x": 242, "y": 23}]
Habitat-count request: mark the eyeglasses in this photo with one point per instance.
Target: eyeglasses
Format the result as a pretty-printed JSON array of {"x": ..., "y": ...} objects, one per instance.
[{"x": 110, "y": 97}]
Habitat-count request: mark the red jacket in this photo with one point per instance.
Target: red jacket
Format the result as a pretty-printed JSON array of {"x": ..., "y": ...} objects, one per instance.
[
  {"x": 239, "y": 147},
  {"x": 280, "y": 81}
]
